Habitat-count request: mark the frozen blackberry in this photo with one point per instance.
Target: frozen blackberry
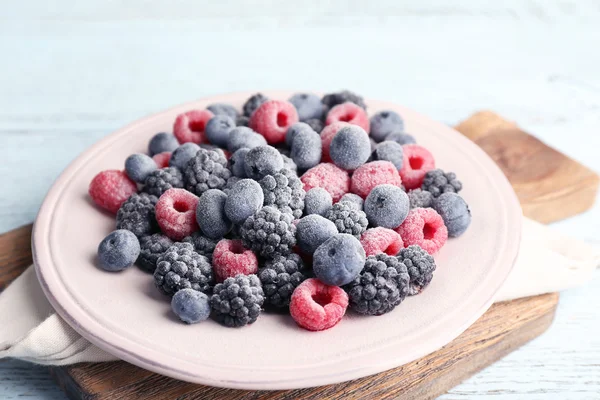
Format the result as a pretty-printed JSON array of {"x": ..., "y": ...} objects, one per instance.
[
  {"x": 180, "y": 267},
  {"x": 202, "y": 245},
  {"x": 437, "y": 182},
  {"x": 380, "y": 287},
  {"x": 206, "y": 170},
  {"x": 284, "y": 191},
  {"x": 420, "y": 198},
  {"x": 152, "y": 247},
  {"x": 420, "y": 265},
  {"x": 137, "y": 214},
  {"x": 279, "y": 277},
  {"x": 316, "y": 124},
  {"x": 333, "y": 99},
  {"x": 242, "y": 120},
  {"x": 237, "y": 301},
  {"x": 269, "y": 233},
  {"x": 348, "y": 219},
  {"x": 289, "y": 163},
  {"x": 163, "y": 179},
  {"x": 253, "y": 103}
]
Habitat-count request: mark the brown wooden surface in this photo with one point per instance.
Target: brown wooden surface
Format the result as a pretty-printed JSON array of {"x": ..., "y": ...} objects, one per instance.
[{"x": 550, "y": 186}]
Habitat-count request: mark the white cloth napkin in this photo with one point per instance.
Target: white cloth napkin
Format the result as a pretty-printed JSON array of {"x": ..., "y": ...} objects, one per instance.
[{"x": 31, "y": 330}]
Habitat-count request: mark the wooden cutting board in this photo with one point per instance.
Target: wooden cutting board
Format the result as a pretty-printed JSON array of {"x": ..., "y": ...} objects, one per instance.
[{"x": 550, "y": 187}]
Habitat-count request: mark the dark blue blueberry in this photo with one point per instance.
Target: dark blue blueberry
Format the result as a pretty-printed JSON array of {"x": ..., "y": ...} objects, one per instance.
[
  {"x": 306, "y": 149},
  {"x": 401, "y": 138},
  {"x": 350, "y": 147},
  {"x": 312, "y": 231},
  {"x": 237, "y": 162},
  {"x": 139, "y": 166},
  {"x": 454, "y": 211},
  {"x": 244, "y": 199},
  {"x": 253, "y": 103},
  {"x": 339, "y": 260},
  {"x": 389, "y": 151},
  {"x": 262, "y": 161},
  {"x": 317, "y": 201},
  {"x": 183, "y": 154},
  {"x": 217, "y": 130},
  {"x": 308, "y": 105},
  {"x": 162, "y": 142},
  {"x": 243, "y": 136},
  {"x": 294, "y": 130},
  {"x": 118, "y": 250},
  {"x": 210, "y": 214},
  {"x": 191, "y": 306},
  {"x": 387, "y": 206},
  {"x": 385, "y": 122},
  {"x": 223, "y": 109}
]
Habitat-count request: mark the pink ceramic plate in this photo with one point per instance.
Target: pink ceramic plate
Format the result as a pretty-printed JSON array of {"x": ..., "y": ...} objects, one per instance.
[{"x": 125, "y": 315}]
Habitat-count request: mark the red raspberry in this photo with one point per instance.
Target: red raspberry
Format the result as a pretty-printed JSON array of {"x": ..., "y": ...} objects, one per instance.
[
  {"x": 381, "y": 240},
  {"x": 272, "y": 120},
  {"x": 372, "y": 174},
  {"x": 176, "y": 213},
  {"x": 231, "y": 258},
  {"x": 327, "y": 135},
  {"x": 348, "y": 112},
  {"x": 417, "y": 161},
  {"x": 316, "y": 306},
  {"x": 425, "y": 227},
  {"x": 189, "y": 126},
  {"x": 162, "y": 159},
  {"x": 329, "y": 177},
  {"x": 109, "y": 189}
]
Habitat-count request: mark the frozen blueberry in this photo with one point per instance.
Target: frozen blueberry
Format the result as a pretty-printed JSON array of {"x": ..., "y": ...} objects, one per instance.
[
  {"x": 454, "y": 211},
  {"x": 237, "y": 163},
  {"x": 217, "y": 129},
  {"x": 389, "y": 151},
  {"x": 118, "y": 250},
  {"x": 353, "y": 199},
  {"x": 262, "y": 161},
  {"x": 387, "y": 206},
  {"x": 317, "y": 201},
  {"x": 242, "y": 121},
  {"x": 316, "y": 124},
  {"x": 162, "y": 142},
  {"x": 339, "y": 260},
  {"x": 183, "y": 154},
  {"x": 308, "y": 105},
  {"x": 294, "y": 130},
  {"x": 385, "y": 122},
  {"x": 210, "y": 214},
  {"x": 306, "y": 149},
  {"x": 244, "y": 199},
  {"x": 242, "y": 136},
  {"x": 253, "y": 103},
  {"x": 350, "y": 147},
  {"x": 138, "y": 167},
  {"x": 401, "y": 138},
  {"x": 191, "y": 306},
  {"x": 223, "y": 109},
  {"x": 312, "y": 231}
]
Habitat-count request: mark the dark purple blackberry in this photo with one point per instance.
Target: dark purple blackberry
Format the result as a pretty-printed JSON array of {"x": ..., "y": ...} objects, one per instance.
[
  {"x": 333, "y": 99},
  {"x": 163, "y": 179},
  {"x": 206, "y": 170},
  {"x": 316, "y": 124},
  {"x": 284, "y": 191},
  {"x": 237, "y": 301},
  {"x": 242, "y": 120},
  {"x": 381, "y": 286},
  {"x": 420, "y": 265},
  {"x": 280, "y": 276},
  {"x": 180, "y": 267},
  {"x": 289, "y": 163},
  {"x": 203, "y": 245},
  {"x": 253, "y": 103},
  {"x": 348, "y": 219},
  {"x": 136, "y": 214},
  {"x": 420, "y": 198},
  {"x": 269, "y": 233},
  {"x": 437, "y": 182},
  {"x": 152, "y": 247}
]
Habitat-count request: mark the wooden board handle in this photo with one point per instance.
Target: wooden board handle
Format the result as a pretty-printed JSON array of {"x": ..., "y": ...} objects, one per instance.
[{"x": 15, "y": 254}]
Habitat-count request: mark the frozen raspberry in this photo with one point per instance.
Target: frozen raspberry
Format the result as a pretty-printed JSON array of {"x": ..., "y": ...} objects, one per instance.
[
  {"x": 437, "y": 182},
  {"x": 327, "y": 135},
  {"x": 316, "y": 306},
  {"x": 372, "y": 174},
  {"x": 328, "y": 176},
  {"x": 231, "y": 258},
  {"x": 272, "y": 120},
  {"x": 190, "y": 126},
  {"x": 350, "y": 113},
  {"x": 110, "y": 189},
  {"x": 333, "y": 99},
  {"x": 176, "y": 213},
  {"x": 381, "y": 240},
  {"x": 417, "y": 161},
  {"x": 162, "y": 159},
  {"x": 424, "y": 227}
]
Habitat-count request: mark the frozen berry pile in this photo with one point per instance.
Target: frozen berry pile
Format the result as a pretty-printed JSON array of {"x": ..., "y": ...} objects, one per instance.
[{"x": 309, "y": 206}]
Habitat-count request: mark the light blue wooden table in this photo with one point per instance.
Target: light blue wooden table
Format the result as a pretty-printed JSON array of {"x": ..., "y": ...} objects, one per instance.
[{"x": 72, "y": 72}]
